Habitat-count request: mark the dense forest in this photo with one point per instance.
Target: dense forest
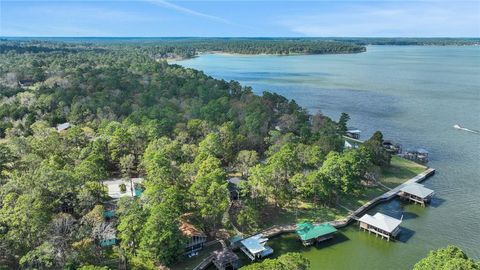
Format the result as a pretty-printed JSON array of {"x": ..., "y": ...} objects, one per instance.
[
  {"x": 187, "y": 47},
  {"x": 132, "y": 115}
]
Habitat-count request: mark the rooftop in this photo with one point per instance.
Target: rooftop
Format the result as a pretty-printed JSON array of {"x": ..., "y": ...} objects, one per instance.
[
  {"x": 418, "y": 190},
  {"x": 255, "y": 244},
  {"x": 308, "y": 231},
  {"x": 187, "y": 228},
  {"x": 63, "y": 126},
  {"x": 235, "y": 180},
  {"x": 381, "y": 221}
]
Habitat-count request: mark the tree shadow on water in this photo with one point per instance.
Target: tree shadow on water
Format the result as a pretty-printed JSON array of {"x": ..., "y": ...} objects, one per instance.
[
  {"x": 405, "y": 235},
  {"x": 436, "y": 202}
]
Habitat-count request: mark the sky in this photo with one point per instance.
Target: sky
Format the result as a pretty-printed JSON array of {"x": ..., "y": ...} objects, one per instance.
[{"x": 241, "y": 18}]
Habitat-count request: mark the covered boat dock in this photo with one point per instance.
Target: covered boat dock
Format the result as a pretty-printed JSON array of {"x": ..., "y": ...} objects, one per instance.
[
  {"x": 381, "y": 224},
  {"x": 417, "y": 193},
  {"x": 310, "y": 234},
  {"x": 255, "y": 248}
]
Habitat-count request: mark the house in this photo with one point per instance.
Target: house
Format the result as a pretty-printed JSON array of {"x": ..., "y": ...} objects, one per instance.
[
  {"x": 381, "y": 224},
  {"x": 25, "y": 83},
  {"x": 416, "y": 193},
  {"x": 353, "y": 133},
  {"x": 196, "y": 238},
  {"x": 310, "y": 234},
  {"x": 225, "y": 259},
  {"x": 62, "y": 127},
  {"x": 254, "y": 247},
  {"x": 114, "y": 187},
  {"x": 233, "y": 187},
  {"x": 393, "y": 148}
]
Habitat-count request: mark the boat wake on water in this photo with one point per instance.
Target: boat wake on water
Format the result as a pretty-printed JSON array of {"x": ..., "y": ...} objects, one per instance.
[{"x": 456, "y": 126}]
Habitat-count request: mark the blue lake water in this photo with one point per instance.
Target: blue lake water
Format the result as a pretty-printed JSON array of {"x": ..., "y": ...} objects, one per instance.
[{"x": 414, "y": 95}]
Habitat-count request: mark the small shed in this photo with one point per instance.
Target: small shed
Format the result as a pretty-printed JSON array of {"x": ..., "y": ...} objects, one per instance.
[
  {"x": 63, "y": 126},
  {"x": 381, "y": 224},
  {"x": 225, "y": 259},
  {"x": 310, "y": 234},
  {"x": 416, "y": 193},
  {"x": 254, "y": 247}
]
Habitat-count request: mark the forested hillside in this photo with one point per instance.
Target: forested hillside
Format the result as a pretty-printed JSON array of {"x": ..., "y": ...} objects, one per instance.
[{"x": 132, "y": 115}]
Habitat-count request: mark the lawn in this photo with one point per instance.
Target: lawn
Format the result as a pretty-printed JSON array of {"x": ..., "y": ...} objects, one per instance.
[{"x": 399, "y": 171}]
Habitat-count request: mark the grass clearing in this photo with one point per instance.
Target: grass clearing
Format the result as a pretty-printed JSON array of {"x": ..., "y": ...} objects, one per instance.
[{"x": 400, "y": 170}]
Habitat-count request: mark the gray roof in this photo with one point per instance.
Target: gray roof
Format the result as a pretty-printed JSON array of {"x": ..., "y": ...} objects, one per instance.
[
  {"x": 255, "y": 244},
  {"x": 417, "y": 190},
  {"x": 235, "y": 180},
  {"x": 381, "y": 221},
  {"x": 63, "y": 126},
  {"x": 113, "y": 186}
]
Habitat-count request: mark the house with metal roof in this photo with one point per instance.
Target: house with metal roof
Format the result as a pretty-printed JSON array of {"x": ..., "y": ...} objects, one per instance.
[
  {"x": 310, "y": 234},
  {"x": 381, "y": 224},
  {"x": 64, "y": 126},
  {"x": 417, "y": 193},
  {"x": 254, "y": 247}
]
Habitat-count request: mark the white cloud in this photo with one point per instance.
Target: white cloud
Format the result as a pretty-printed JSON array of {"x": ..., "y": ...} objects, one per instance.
[{"x": 393, "y": 19}]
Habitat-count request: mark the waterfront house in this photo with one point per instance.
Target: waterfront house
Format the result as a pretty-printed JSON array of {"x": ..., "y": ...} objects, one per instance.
[
  {"x": 353, "y": 133},
  {"x": 381, "y": 224},
  {"x": 254, "y": 247},
  {"x": 310, "y": 234},
  {"x": 63, "y": 126},
  {"x": 417, "y": 193},
  {"x": 196, "y": 238}
]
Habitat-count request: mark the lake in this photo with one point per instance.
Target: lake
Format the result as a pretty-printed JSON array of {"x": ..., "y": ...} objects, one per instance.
[{"x": 414, "y": 95}]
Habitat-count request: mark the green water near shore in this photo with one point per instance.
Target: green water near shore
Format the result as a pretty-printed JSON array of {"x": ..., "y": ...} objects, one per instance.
[{"x": 413, "y": 94}]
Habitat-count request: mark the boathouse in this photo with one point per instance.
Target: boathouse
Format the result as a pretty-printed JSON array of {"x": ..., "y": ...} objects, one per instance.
[
  {"x": 419, "y": 155},
  {"x": 353, "y": 133},
  {"x": 381, "y": 224},
  {"x": 255, "y": 248},
  {"x": 417, "y": 193},
  {"x": 310, "y": 234}
]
